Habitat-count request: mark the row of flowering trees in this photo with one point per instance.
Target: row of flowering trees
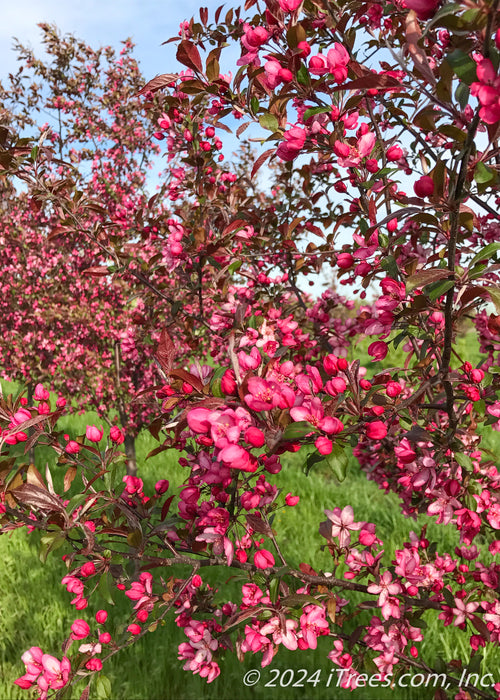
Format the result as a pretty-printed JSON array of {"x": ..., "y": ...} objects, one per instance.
[{"x": 381, "y": 170}]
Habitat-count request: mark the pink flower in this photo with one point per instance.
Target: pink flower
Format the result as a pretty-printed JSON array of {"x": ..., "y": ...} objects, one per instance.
[
  {"x": 378, "y": 350},
  {"x": 342, "y": 523},
  {"x": 94, "y": 665},
  {"x": 345, "y": 261},
  {"x": 40, "y": 393},
  {"x": 20, "y": 417},
  {"x": 313, "y": 624},
  {"x": 79, "y": 629},
  {"x": 198, "y": 421},
  {"x": 324, "y": 445},
  {"x": 133, "y": 484},
  {"x": 290, "y": 148},
  {"x": 291, "y": 500},
  {"x": 56, "y": 673},
  {"x": 338, "y": 59},
  {"x": 263, "y": 559},
  {"x": 463, "y": 611},
  {"x": 318, "y": 65},
  {"x": 384, "y": 588},
  {"x": 94, "y": 434},
  {"x": 289, "y": 5}
]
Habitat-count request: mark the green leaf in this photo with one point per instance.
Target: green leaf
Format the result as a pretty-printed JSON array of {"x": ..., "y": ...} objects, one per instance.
[
  {"x": 312, "y": 459},
  {"x": 295, "y": 431},
  {"x": 268, "y": 121},
  {"x": 390, "y": 265},
  {"x": 105, "y": 586},
  {"x": 76, "y": 501},
  {"x": 494, "y": 295},
  {"x": 462, "y": 94},
  {"x": 215, "y": 383},
  {"x": 103, "y": 687},
  {"x": 303, "y": 77},
  {"x": 234, "y": 266},
  {"x": 463, "y": 66},
  {"x": 484, "y": 175},
  {"x": 315, "y": 110},
  {"x": 464, "y": 460},
  {"x": 254, "y": 105},
  {"x": 434, "y": 291},
  {"x": 338, "y": 460},
  {"x": 485, "y": 253}
]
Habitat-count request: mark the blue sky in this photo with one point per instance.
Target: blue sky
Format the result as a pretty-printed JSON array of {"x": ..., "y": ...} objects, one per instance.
[
  {"x": 107, "y": 22},
  {"x": 102, "y": 22}
]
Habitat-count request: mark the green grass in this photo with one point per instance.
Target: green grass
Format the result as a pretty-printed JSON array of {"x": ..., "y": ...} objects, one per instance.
[{"x": 35, "y": 610}]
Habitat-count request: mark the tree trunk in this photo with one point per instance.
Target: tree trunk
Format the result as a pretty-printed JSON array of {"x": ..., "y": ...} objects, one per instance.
[
  {"x": 30, "y": 431},
  {"x": 130, "y": 452}
]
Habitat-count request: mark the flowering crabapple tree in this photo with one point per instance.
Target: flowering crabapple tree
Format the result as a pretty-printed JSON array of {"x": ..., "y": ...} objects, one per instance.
[
  {"x": 66, "y": 321},
  {"x": 391, "y": 164}
]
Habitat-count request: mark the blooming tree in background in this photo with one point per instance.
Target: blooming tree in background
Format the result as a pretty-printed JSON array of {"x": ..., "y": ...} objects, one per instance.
[{"x": 384, "y": 171}]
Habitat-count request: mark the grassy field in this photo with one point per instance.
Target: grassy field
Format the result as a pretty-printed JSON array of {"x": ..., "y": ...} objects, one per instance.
[{"x": 35, "y": 610}]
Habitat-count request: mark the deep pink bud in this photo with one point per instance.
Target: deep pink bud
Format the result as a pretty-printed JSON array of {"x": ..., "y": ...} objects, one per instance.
[
  {"x": 424, "y": 9},
  {"x": 105, "y": 637},
  {"x": 291, "y": 500},
  {"x": 94, "y": 434},
  {"x": 376, "y": 430},
  {"x": 161, "y": 486},
  {"x": 134, "y": 629},
  {"x": 263, "y": 559},
  {"x": 345, "y": 261},
  {"x": 255, "y": 437},
  {"x": 116, "y": 435},
  {"x": 228, "y": 382},
  {"x": 88, "y": 569},
  {"x": 393, "y": 389},
  {"x": 323, "y": 445},
  {"x": 394, "y": 153},
  {"x": 73, "y": 447},
  {"x": 101, "y": 616},
  {"x": 424, "y": 187},
  {"x": 330, "y": 364}
]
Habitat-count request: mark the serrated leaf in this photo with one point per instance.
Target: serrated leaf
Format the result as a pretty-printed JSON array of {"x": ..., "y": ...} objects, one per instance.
[{"x": 338, "y": 460}]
